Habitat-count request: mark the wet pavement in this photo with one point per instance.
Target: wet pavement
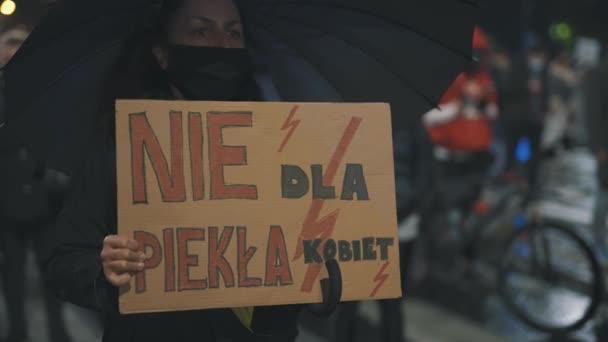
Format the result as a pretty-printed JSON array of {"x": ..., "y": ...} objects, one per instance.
[{"x": 82, "y": 324}]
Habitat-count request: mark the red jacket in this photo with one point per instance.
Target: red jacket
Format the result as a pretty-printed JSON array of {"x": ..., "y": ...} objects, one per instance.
[{"x": 467, "y": 109}]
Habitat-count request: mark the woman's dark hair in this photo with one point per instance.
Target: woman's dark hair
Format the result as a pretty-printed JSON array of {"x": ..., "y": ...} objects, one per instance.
[
  {"x": 167, "y": 10},
  {"x": 137, "y": 74}
]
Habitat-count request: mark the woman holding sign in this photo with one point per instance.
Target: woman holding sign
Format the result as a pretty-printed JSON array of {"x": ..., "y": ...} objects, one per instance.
[{"x": 197, "y": 53}]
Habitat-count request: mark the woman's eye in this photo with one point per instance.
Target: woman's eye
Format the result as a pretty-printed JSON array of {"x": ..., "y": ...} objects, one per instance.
[
  {"x": 201, "y": 32},
  {"x": 236, "y": 34}
]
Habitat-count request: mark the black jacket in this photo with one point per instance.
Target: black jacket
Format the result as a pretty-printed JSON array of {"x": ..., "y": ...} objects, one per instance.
[
  {"x": 413, "y": 157},
  {"x": 73, "y": 269},
  {"x": 23, "y": 198}
]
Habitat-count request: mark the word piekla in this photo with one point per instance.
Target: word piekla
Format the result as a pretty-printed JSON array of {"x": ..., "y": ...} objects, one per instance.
[{"x": 179, "y": 259}]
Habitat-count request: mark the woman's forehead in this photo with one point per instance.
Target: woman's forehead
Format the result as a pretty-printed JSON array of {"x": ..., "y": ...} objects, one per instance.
[{"x": 217, "y": 10}]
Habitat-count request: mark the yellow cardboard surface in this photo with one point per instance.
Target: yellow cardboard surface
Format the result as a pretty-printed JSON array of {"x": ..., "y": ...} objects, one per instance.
[{"x": 239, "y": 204}]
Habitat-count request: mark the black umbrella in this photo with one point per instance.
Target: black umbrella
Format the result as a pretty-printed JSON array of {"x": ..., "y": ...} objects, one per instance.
[
  {"x": 400, "y": 51},
  {"x": 404, "y": 52},
  {"x": 53, "y": 83}
]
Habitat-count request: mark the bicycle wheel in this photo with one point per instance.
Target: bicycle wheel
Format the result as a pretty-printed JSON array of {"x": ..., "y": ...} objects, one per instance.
[{"x": 549, "y": 278}]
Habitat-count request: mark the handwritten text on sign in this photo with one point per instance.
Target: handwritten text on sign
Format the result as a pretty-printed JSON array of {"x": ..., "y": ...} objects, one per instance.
[{"x": 240, "y": 204}]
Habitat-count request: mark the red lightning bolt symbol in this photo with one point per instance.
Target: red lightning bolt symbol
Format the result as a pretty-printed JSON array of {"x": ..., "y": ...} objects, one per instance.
[
  {"x": 323, "y": 228},
  {"x": 291, "y": 124},
  {"x": 380, "y": 278}
]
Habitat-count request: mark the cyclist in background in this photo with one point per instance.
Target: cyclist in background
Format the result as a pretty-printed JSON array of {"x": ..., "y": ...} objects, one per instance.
[
  {"x": 462, "y": 132},
  {"x": 525, "y": 107}
]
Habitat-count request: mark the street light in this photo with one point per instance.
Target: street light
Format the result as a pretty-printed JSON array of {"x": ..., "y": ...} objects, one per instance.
[{"x": 8, "y": 7}]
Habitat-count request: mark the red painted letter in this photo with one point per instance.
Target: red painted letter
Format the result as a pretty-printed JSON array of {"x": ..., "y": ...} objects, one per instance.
[
  {"x": 220, "y": 155},
  {"x": 172, "y": 185},
  {"x": 185, "y": 260},
  {"x": 277, "y": 262},
  {"x": 244, "y": 256},
  {"x": 147, "y": 241},
  {"x": 195, "y": 125},
  {"x": 217, "y": 262},
  {"x": 169, "y": 260}
]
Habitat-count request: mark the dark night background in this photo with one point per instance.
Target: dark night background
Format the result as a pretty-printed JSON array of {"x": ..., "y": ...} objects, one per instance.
[{"x": 505, "y": 19}]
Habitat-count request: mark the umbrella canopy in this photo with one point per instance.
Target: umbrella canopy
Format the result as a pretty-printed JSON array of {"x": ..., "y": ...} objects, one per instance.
[
  {"x": 399, "y": 51},
  {"x": 404, "y": 52},
  {"x": 54, "y": 81}
]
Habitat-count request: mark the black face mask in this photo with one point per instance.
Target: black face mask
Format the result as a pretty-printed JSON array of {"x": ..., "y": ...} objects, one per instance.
[{"x": 210, "y": 73}]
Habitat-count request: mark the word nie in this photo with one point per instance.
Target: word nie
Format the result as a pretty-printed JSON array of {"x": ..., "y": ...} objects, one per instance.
[{"x": 170, "y": 174}]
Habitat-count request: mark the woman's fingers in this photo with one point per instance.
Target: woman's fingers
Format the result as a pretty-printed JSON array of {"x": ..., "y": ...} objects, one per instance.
[
  {"x": 112, "y": 254},
  {"x": 119, "y": 242},
  {"x": 121, "y": 259},
  {"x": 119, "y": 272},
  {"x": 123, "y": 266}
]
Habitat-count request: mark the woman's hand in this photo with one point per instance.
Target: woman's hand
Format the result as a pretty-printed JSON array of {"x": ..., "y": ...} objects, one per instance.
[{"x": 121, "y": 259}]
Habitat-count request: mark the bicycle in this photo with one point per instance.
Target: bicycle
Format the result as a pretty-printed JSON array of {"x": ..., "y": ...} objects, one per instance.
[
  {"x": 554, "y": 266},
  {"x": 525, "y": 259},
  {"x": 533, "y": 258}
]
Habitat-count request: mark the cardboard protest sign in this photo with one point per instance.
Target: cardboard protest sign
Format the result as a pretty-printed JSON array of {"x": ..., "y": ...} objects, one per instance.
[{"x": 240, "y": 204}]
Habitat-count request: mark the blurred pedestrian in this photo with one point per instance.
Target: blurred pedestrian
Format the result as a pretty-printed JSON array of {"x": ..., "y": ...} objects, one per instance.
[
  {"x": 10, "y": 40},
  {"x": 462, "y": 132},
  {"x": 525, "y": 107},
  {"x": 596, "y": 107},
  {"x": 469, "y": 107},
  {"x": 24, "y": 211},
  {"x": 196, "y": 52},
  {"x": 561, "y": 120},
  {"x": 498, "y": 64}
]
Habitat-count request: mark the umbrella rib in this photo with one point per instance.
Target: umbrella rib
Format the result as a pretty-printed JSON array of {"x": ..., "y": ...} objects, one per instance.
[
  {"x": 311, "y": 64},
  {"x": 473, "y": 3},
  {"x": 74, "y": 66},
  {"x": 392, "y": 21},
  {"x": 92, "y": 22},
  {"x": 381, "y": 63}
]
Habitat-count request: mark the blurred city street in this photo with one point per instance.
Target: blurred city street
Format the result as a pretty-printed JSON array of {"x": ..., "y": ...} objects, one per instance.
[{"x": 455, "y": 312}]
